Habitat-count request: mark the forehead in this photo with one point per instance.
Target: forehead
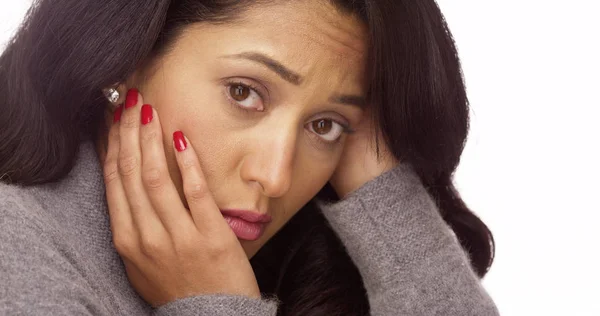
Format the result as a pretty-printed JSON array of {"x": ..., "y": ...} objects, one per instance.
[
  {"x": 316, "y": 24},
  {"x": 309, "y": 36}
]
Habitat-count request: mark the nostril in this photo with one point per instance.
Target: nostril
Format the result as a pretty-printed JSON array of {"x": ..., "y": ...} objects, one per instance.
[
  {"x": 259, "y": 185},
  {"x": 276, "y": 186}
]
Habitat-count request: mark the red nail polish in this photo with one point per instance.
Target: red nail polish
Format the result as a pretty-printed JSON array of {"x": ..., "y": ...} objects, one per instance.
[
  {"x": 146, "y": 114},
  {"x": 179, "y": 140},
  {"x": 118, "y": 113},
  {"x": 132, "y": 98}
]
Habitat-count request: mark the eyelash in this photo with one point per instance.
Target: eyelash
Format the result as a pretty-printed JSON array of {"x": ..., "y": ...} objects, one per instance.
[
  {"x": 346, "y": 129},
  {"x": 250, "y": 86}
]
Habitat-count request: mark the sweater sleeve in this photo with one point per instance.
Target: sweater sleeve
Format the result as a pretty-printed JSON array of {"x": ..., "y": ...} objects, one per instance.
[
  {"x": 410, "y": 260},
  {"x": 219, "y": 305},
  {"x": 39, "y": 274}
]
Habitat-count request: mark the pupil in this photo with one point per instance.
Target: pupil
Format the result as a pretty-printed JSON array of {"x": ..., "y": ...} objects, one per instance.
[
  {"x": 239, "y": 92},
  {"x": 322, "y": 126}
]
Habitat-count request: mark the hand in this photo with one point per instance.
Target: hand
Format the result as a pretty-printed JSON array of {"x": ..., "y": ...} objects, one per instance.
[
  {"x": 359, "y": 163},
  {"x": 168, "y": 251}
]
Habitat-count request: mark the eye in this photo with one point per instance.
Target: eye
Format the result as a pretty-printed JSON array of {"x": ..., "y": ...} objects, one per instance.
[
  {"x": 328, "y": 129},
  {"x": 245, "y": 96}
]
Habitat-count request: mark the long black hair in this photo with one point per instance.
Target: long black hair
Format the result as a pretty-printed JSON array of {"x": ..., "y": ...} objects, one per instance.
[{"x": 66, "y": 51}]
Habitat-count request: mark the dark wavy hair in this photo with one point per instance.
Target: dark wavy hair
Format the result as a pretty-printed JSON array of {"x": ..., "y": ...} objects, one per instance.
[{"x": 66, "y": 51}]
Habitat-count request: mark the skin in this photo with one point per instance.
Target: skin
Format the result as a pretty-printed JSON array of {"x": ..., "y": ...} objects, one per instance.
[
  {"x": 269, "y": 149},
  {"x": 269, "y": 161}
]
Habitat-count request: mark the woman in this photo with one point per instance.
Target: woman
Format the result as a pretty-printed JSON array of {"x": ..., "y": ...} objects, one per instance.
[{"x": 315, "y": 138}]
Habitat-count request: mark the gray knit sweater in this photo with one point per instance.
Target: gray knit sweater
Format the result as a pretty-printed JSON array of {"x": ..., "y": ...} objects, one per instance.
[{"x": 57, "y": 258}]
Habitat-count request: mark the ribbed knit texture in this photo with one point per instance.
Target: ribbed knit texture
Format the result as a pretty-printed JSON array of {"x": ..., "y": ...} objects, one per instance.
[
  {"x": 410, "y": 260},
  {"x": 57, "y": 257}
]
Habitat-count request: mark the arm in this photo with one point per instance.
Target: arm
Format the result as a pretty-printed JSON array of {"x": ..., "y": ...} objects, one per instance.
[
  {"x": 410, "y": 260},
  {"x": 218, "y": 305},
  {"x": 39, "y": 278}
]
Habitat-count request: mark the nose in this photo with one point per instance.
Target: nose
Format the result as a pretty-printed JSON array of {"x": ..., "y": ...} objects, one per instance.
[{"x": 269, "y": 163}]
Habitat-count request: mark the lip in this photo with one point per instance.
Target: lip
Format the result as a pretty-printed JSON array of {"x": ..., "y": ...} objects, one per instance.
[
  {"x": 246, "y": 225},
  {"x": 248, "y": 216}
]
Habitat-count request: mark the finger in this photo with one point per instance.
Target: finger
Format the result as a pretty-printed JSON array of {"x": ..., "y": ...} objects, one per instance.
[
  {"x": 130, "y": 163},
  {"x": 118, "y": 208},
  {"x": 203, "y": 208},
  {"x": 155, "y": 175}
]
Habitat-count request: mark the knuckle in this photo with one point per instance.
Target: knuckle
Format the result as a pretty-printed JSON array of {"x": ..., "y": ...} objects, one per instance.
[
  {"x": 124, "y": 244},
  {"x": 149, "y": 136},
  {"x": 219, "y": 247},
  {"x": 113, "y": 133},
  {"x": 196, "y": 191},
  {"x": 151, "y": 246},
  {"x": 127, "y": 165},
  {"x": 188, "y": 163},
  {"x": 111, "y": 171},
  {"x": 153, "y": 178},
  {"x": 130, "y": 121},
  {"x": 186, "y": 246}
]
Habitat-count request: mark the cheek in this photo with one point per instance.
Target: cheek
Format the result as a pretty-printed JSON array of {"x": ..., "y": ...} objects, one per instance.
[
  {"x": 184, "y": 98},
  {"x": 311, "y": 171},
  {"x": 310, "y": 177},
  {"x": 308, "y": 180},
  {"x": 191, "y": 106},
  {"x": 306, "y": 185},
  {"x": 195, "y": 110}
]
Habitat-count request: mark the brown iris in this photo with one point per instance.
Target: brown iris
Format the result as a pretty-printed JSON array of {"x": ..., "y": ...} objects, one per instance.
[
  {"x": 322, "y": 127},
  {"x": 239, "y": 92}
]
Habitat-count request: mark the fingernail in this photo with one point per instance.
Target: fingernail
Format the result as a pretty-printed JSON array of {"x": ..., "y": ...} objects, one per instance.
[
  {"x": 179, "y": 141},
  {"x": 118, "y": 113},
  {"x": 146, "y": 114},
  {"x": 132, "y": 98}
]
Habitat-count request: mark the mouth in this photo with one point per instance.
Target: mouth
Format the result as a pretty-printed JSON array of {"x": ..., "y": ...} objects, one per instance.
[{"x": 246, "y": 225}]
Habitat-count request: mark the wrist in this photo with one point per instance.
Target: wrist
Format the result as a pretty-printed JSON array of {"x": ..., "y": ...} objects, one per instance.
[{"x": 349, "y": 181}]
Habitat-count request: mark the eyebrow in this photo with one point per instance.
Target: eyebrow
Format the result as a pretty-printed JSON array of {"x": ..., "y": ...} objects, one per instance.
[
  {"x": 284, "y": 72},
  {"x": 295, "y": 78},
  {"x": 354, "y": 100}
]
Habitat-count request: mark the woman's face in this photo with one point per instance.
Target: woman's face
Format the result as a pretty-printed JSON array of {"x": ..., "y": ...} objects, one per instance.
[{"x": 265, "y": 101}]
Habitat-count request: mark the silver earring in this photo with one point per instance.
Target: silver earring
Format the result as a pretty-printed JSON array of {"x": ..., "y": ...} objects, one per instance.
[{"x": 112, "y": 95}]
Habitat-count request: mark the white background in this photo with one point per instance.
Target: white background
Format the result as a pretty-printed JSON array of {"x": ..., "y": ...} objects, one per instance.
[{"x": 530, "y": 168}]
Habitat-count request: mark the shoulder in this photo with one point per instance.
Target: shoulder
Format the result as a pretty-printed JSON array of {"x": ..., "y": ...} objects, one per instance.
[
  {"x": 18, "y": 202},
  {"x": 29, "y": 233},
  {"x": 37, "y": 265},
  {"x": 23, "y": 217},
  {"x": 25, "y": 229}
]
